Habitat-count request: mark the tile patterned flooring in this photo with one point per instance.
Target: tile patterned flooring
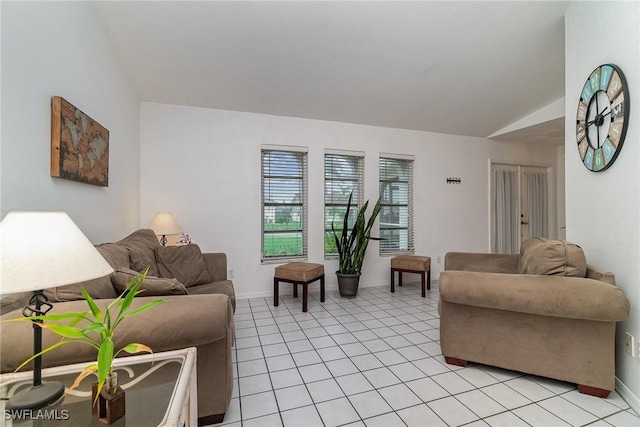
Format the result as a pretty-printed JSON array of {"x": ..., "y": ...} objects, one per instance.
[{"x": 375, "y": 360}]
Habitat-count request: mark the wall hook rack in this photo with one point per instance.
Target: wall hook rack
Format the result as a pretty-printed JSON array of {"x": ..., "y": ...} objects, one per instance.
[{"x": 454, "y": 180}]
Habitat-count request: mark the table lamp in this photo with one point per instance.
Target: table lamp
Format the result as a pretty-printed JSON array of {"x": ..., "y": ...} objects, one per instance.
[
  {"x": 164, "y": 224},
  {"x": 40, "y": 250}
]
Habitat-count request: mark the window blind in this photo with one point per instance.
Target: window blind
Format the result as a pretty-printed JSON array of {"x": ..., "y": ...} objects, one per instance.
[
  {"x": 284, "y": 204},
  {"x": 343, "y": 176},
  {"x": 396, "y": 200}
]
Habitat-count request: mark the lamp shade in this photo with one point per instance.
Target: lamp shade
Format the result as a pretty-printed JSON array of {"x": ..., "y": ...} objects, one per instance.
[
  {"x": 164, "y": 223},
  {"x": 40, "y": 250}
]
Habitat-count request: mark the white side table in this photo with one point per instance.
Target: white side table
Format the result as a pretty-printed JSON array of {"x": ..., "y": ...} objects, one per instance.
[{"x": 161, "y": 390}]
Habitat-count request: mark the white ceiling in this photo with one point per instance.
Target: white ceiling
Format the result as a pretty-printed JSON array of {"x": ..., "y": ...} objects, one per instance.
[{"x": 466, "y": 68}]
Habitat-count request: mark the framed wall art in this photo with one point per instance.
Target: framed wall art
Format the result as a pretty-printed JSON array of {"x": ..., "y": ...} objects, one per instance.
[{"x": 79, "y": 145}]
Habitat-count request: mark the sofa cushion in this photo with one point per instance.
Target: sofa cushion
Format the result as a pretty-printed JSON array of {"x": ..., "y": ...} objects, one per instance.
[
  {"x": 185, "y": 263},
  {"x": 153, "y": 286},
  {"x": 219, "y": 287},
  {"x": 552, "y": 257},
  {"x": 141, "y": 245}
]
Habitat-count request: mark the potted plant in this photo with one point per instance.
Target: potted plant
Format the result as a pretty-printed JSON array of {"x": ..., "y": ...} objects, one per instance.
[
  {"x": 97, "y": 329},
  {"x": 352, "y": 246}
]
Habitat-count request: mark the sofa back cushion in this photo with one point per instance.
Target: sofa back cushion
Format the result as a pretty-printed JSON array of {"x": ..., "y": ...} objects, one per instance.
[
  {"x": 184, "y": 263},
  {"x": 116, "y": 256},
  {"x": 141, "y": 245},
  {"x": 552, "y": 257}
]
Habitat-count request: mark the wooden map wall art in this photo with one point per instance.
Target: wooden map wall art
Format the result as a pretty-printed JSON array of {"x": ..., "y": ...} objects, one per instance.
[{"x": 79, "y": 145}]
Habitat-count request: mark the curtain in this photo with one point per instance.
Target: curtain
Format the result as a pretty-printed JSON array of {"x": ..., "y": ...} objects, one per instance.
[
  {"x": 536, "y": 203},
  {"x": 506, "y": 222}
]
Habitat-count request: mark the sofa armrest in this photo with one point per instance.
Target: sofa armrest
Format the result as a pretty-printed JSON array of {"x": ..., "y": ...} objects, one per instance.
[
  {"x": 557, "y": 296},
  {"x": 482, "y": 262},
  {"x": 216, "y": 265}
]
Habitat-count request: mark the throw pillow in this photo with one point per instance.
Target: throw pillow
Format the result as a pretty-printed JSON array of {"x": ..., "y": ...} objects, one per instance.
[
  {"x": 153, "y": 286},
  {"x": 185, "y": 263},
  {"x": 142, "y": 244},
  {"x": 116, "y": 255},
  {"x": 554, "y": 257}
]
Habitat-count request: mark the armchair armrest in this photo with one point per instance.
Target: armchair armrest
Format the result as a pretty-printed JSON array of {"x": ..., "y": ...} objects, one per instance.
[
  {"x": 557, "y": 296},
  {"x": 482, "y": 262},
  {"x": 216, "y": 265}
]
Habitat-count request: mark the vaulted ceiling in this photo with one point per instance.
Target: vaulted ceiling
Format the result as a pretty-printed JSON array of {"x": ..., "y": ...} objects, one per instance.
[{"x": 465, "y": 68}]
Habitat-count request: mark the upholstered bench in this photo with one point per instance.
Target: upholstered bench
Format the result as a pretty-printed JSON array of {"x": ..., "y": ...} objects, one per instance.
[
  {"x": 411, "y": 264},
  {"x": 299, "y": 273}
]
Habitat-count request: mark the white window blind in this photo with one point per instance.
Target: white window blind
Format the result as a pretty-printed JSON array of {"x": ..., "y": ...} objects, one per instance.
[
  {"x": 343, "y": 176},
  {"x": 284, "y": 203},
  {"x": 396, "y": 200}
]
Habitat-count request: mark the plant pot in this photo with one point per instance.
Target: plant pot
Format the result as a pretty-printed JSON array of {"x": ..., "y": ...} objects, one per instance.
[
  {"x": 348, "y": 284},
  {"x": 110, "y": 404}
]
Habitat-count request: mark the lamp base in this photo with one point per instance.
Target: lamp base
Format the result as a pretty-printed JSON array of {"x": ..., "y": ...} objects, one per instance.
[{"x": 36, "y": 396}]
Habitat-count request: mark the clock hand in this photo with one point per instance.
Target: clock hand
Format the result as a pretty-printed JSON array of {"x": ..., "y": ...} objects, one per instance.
[{"x": 598, "y": 117}]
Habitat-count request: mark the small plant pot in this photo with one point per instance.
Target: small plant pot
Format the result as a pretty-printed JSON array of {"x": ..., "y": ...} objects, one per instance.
[
  {"x": 348, "y": 284},
  {"x": 110, "y": 404}
]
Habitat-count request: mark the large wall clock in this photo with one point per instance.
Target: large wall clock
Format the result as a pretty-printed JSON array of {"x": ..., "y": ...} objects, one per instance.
[{"x": 602, "y": 117}]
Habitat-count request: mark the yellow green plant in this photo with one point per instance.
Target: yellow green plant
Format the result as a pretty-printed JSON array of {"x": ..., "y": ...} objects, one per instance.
[{"x": 96, "y": 328}]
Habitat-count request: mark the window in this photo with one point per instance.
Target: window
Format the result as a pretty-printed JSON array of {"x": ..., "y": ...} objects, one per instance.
[
  {"x": 396, "y": 200},
  {"x": 284, "y": 203},
  {"x": 343, "y": 175}
]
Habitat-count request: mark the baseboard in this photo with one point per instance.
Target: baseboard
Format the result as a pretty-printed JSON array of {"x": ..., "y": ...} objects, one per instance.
[
  {"x": 628, "y": 395},
  {"x": 329, "y": 288}
]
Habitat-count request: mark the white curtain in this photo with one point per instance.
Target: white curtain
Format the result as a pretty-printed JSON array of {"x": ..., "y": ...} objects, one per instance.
[
  {"x": 536, "y": 203},
  {"x": 506, "y": 222}
]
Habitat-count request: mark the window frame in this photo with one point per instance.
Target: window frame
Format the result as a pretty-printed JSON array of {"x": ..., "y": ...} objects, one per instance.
[
  {"x": 302, "y": 205},
  {"x": 409, "y": 161},
  {"x": 358, "y": 156}
]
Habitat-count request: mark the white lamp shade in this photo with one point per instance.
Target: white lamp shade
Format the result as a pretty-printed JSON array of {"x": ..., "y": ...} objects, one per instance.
[
  {"x": 40, "y": 250},
  {"x": 164, "y": 224}
]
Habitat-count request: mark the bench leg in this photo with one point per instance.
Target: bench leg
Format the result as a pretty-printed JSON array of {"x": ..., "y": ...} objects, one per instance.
[
  {"x": 275, "y": 292},
  {"x": 424, "y": 293},
  {"x": 305, "y": 296},
  {"x": 429, "y": 279},
  {"x": 399, "y": 277},
  {"x": 393, "y": 280},
  {"x": 322, "y": 288},
  {"x": 295, "y": 289}
]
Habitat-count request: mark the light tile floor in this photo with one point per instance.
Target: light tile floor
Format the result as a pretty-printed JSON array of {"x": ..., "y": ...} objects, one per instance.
[{"x": 374, "y": 360}]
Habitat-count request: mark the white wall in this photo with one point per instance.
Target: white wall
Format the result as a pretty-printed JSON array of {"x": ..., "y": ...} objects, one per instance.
[
  {"x": 60, "y": 48},
  {"x": 204, "y": 166},
  {"x": 603, "y": 209}
]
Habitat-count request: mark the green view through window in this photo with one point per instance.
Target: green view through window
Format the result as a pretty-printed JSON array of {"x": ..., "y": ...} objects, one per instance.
[
  {"x": 396, "y": 200},
  {"x": 343, "y": 175},
  {"x": 284, "y": 203}
]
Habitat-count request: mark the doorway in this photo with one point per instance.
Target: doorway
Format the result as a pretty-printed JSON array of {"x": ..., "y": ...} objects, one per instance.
[{"x": 521, "y": 201}]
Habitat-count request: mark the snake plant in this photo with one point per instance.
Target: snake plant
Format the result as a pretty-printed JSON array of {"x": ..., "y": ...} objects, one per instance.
[{"x": 352, "y": 244}]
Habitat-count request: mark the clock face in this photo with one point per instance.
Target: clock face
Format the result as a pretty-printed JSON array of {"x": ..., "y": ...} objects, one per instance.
[{"x": 601, "y": 120}]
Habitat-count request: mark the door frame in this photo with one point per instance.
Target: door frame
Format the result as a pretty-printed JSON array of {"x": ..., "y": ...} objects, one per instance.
[{"x": 552, "y": 229}]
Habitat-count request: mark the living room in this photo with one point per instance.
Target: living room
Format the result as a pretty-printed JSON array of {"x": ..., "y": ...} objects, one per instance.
[{"x": 203, "y": 164}]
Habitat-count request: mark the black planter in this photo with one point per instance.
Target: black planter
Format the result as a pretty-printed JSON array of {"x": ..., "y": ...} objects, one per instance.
[{"x": 348, "y": 284}]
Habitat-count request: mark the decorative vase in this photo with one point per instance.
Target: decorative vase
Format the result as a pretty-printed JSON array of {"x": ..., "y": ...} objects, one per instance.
[
  {"x": 348, "y": 284},
  {"x": 110, "y": 404}
]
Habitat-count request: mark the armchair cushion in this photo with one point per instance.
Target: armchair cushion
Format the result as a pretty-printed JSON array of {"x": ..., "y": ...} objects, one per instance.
[
  {"x": 552, "y": 257},
  {"x": 184, "y": 263}
]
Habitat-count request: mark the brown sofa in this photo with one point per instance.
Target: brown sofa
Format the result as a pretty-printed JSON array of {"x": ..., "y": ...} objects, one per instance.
[
  {"x": 199, "y": 313},
  {"x": 543, "y": 312}
]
